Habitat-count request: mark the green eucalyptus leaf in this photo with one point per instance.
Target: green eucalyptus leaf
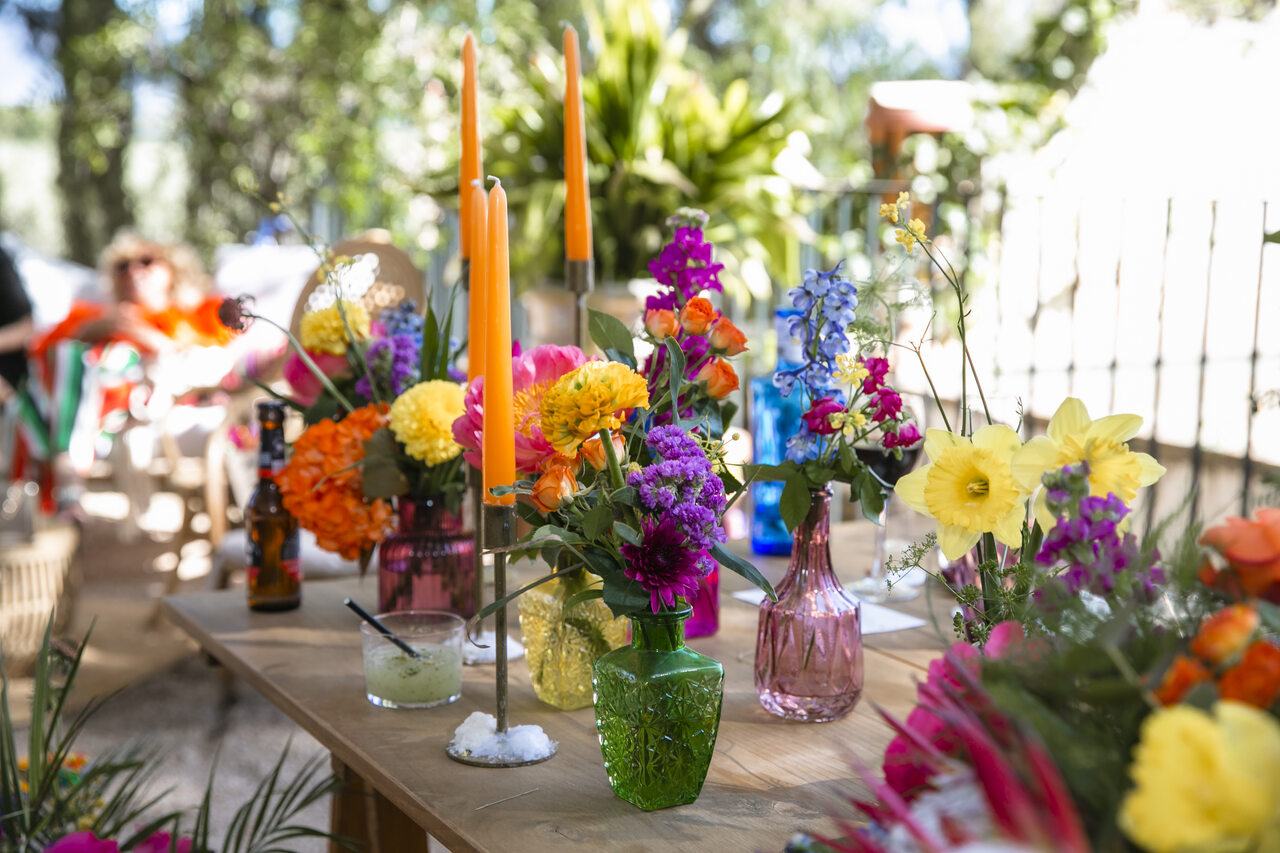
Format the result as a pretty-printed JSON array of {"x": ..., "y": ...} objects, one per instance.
[
  {"x": 794, "y": 503},
  {"x": 597, "y": 521},
  {"x": 736, "y": 564},
  {"x": 610, "y": 333},
  {"x": 626, "y": 533}
]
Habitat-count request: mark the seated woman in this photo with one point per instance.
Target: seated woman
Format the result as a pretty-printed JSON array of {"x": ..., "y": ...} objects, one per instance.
[{"x": 89, "y": 369}]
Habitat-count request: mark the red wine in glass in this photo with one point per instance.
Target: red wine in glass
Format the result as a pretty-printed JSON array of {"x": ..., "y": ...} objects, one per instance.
[{"x": 885, "y": 465}]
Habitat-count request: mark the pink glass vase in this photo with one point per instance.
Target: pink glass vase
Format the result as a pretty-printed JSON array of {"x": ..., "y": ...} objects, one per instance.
[
  {"x": 705, "y": 620},
  {"x": 809, "y": 646},
  {"x": 428, "y": 562}
]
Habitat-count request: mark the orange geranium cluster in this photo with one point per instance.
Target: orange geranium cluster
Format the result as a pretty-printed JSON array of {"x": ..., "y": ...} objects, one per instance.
[
  {"x": 1251, "y": 549},
  {"x": 321, "y": 484},
  {"x": 1227, "y": 652}
]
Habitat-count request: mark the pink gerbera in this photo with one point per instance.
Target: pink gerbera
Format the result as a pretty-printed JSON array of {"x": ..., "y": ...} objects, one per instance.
[{"x": 532, "y": 374}]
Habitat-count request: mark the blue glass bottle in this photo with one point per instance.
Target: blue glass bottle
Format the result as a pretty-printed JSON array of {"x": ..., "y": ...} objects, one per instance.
[{"x": 774, "y": 419}]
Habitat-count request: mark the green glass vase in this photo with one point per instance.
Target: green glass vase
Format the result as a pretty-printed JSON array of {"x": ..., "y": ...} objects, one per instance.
[{"x": 657, "y": 711}]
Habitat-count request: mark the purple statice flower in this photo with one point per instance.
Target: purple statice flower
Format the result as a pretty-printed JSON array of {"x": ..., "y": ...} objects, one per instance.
[
  {"x": 681, "y": 485},
  {"x": 393, "y": 364},
  {"x": 1066, "y": 487},
  {"x": 663, "y": 563}
]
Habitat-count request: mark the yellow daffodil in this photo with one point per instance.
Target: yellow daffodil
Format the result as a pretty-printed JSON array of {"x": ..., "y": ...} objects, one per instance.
[
  {"x": 322, "y": 331},
  {"x": 422, "y": 419},
  {"x": 588, "y": 400},
  {"x": 1072, "y": 437},
  {"x": 1203, "y": 782},
  {"x": 968, "y": 486}
]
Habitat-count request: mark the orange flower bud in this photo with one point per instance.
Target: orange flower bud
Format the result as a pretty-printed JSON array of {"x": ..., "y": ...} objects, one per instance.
[
  {"x": 1184, "y": 674},
  {"x": 1225, "y": 633},
  {"x": 727, "y": 337},
  {"x": 1256, "y": 679},
  {"x": 554, "y": 487},
  {"x": 720, "y": 378},
  {"x": 593, "y": 450},
  {"x": 661, "y": 322},
  {"x": 697, "y": 315}
]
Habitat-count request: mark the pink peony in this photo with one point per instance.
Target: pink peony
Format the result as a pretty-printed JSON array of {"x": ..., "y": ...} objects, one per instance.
[
  {"x": 305, "y": 384},
  {"x": 532, "y": 374},
  {"x": 82, "y": 842}
]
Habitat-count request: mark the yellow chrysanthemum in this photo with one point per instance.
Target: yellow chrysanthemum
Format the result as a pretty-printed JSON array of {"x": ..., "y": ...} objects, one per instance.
[
  {"x": 322, "y": 331},
  {"x": 588, "y": 400},
  {"x": 1072, "y": 438},
  {"x": 850, "y": 370},
  {"x": 422, "y": 418},
  {"x": 968, "y": 486},
  {"x": 1204, "y": 782}
]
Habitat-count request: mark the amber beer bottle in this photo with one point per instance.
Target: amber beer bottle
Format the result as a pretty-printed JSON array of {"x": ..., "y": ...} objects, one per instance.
[{"x": 272, "y": 565}]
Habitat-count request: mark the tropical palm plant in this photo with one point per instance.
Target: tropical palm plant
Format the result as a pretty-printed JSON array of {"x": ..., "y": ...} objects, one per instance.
[{"x": 51, "y": 793}]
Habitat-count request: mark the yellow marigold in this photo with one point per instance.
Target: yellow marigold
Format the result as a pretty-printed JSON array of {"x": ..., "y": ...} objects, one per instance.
[
  {"x": 1073, "y": 437},
  {"x": 422, "y": 419},
  {"x": 588, "y": 400},
  {"x": 322, "y": 331},
  {"x": 968, "y": 486},
  {"x": 1203, "y": 782}
]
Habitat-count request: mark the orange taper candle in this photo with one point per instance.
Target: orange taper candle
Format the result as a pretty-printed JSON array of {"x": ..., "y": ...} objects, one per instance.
[
  {"x": 499, "y": 397},
  {"x": 476, "y": 318},
  {"x": 469, "y": 169},
  {"x": 577, "y": 201}
]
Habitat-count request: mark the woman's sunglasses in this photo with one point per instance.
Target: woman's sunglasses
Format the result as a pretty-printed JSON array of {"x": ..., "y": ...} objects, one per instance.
[{"x": 122, "y": 266}]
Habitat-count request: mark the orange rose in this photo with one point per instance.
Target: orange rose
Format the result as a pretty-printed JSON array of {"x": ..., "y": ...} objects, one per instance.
[
  {"x": 697, "y": 315},
  {"x": 1225, "y": 633},
  {"x": 661, "y": 322},
  {"x": 720, "y": 378},
  {"x": 593, "y": 451},
  {"x": 1184, "y": 674},
  {"x": 727, "y": 337},
  {"x": 553, "y": 487},
  {"x": 1251, "y": 547},
  {"x": 1256, "y": 679}
]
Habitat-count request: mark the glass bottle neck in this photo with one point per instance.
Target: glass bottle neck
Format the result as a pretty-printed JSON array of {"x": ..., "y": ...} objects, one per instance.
[
  {"x": 271, "y": 450},
  {"x": 811, "y": 553},
  {"x": 659, "y": 632}
]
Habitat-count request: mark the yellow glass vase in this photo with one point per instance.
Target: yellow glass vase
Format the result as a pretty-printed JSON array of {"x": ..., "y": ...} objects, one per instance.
[{"x": 561, "y": 645}]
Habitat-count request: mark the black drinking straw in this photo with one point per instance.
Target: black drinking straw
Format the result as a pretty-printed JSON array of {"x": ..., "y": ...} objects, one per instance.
[{"x": 368, "y": 617}]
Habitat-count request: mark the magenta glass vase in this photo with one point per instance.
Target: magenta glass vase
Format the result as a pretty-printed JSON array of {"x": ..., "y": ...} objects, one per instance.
[
  {"x": 809, "y": 646},
  {"x": 428, "y": 563},
  {"x": 705, "y": 620}
]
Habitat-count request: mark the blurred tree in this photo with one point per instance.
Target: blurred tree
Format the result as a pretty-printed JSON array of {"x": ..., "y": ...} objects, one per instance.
[{"x": 96, "y": 43}]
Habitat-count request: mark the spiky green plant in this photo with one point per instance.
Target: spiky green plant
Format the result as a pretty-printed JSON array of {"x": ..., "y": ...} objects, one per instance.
[{"x": 113, "y": 796}]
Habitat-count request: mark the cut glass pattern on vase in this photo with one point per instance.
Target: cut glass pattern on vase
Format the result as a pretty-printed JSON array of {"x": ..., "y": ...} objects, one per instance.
[
  {"x": 561, "y": 645},
  {"x": 658, "y": 713},
  {"x": 428, "y": 563},
  {"x": 809, "y": 646}
]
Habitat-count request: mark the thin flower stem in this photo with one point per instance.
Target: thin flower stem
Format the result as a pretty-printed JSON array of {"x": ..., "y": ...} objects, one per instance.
[
  {"x": 615, "y": 470},
  {"x": 306, "y": 359},
  {"x": 946, "y": 422}
]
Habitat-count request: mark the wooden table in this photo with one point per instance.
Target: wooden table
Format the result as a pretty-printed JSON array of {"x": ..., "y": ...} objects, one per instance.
[{"x": 769, "y": 778}]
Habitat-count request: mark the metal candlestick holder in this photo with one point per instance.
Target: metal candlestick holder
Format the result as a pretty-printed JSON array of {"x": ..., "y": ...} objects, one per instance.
[
  {"x": 579, "y": 279},
  {"x": 499, "y": 535}
]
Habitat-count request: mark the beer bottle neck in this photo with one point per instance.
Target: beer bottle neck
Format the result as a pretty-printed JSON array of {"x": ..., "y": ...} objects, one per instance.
[{"x": 270, "y": 451}]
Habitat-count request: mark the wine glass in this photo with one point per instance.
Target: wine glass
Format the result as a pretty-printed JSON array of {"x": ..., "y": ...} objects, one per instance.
[{"x": 889, "y": 468}]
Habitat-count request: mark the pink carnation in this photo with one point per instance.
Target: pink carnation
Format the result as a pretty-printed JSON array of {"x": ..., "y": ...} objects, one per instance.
[
  {"x": 818, "y": 418},
  {"x": 305, "y": 384},
  {"x": 532, "y": 373}
]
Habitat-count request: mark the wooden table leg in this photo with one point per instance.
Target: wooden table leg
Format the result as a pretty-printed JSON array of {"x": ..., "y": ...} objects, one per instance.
[{"x": 362, "y": 814}]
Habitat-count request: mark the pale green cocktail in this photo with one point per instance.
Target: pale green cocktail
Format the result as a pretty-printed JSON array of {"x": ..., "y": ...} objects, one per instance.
[{"x": 396, "y": 679}]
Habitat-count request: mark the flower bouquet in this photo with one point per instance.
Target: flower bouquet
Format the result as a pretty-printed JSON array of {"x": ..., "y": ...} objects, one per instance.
[
  {"x": 627, "y": 505},
  {"x": 380, "y": 401}
]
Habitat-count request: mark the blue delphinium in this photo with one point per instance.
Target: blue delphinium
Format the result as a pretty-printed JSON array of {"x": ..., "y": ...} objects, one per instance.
[
  {"x": 403, "y": 319},
  {"x": 828, "y": 302}
]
